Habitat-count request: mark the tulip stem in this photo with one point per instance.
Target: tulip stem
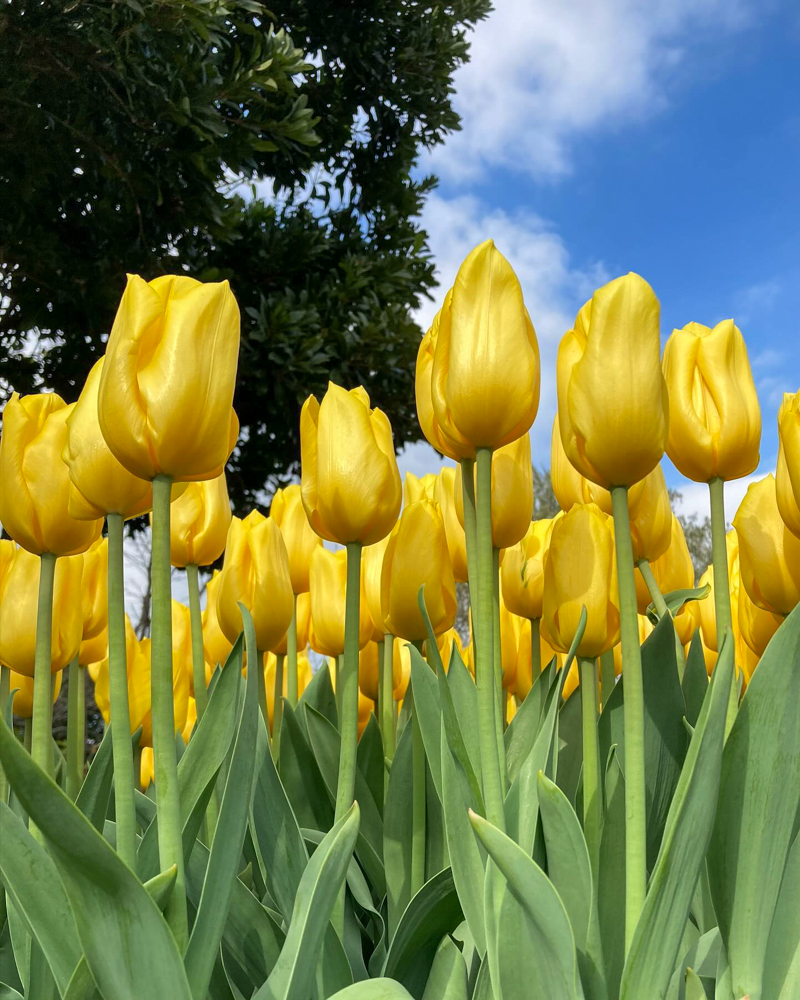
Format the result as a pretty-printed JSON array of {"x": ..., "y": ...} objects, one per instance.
[
  {"x": 471, "y": 535},
  {"x": 168, "y": 803},
  {"x": 277, "y": 705},
  {"x": 592, "y": 812},
  {"x": 484, "y": 651},
  {"x": 27, "y": 735},
  {"x": 74, "y": 747},
  {"x": 536, "y": 649},
  {"x": 121, "y": 747},
  {"x": 292, "y": 687},
  {"x": 608, "y": 677},
  {"x": 198, "y": 656},
  {"x": 418, "y": 817},
  {"x": 348, "y": 683},
  {"x": 722, "y": 585},
  {"x": 644, "y": 567},
  {"x": 386, "y": 704},
  {"x": 41, "y": 745},
  {"x": 500, "y": 700},
  {"x": 5, "y": 691},
  {"x": 633, "y": 719}
]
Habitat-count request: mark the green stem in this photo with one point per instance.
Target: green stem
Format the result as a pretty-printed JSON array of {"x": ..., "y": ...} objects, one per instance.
[
  {"x": 500, "y": 700},
  {"x": 418, "y": 817},
  {"x": 125, "y": 778},
  {"x": 348, "y": 683},
  {"x": 338, "y": 667},
  {"x": 41, "y": 746},
  {"x": 662, "y": 610},
  {"x": 82, "y": 720},
  {"x": 137, "y": 768},
  {"x": 386, "y": 703},
  {"x": 635, "y": 816},
  {"x": 592, "y": 811},
  {"x": 722, "y": 585},
  {"x": 484, "y": 651},
  {"x": 168, "y": 803},
  {"x": 536, "y": 649},
  {"x": 198, "y": 656},
  {"x": 608, "y": 675},
  {"x": 74, "y": 754},
  {"x": 5, "y": 691},
  {"x": 471, "y": 534},
  {"x": 27, "y": 737},
  {"x": 262, "y": 690},
  {"x": 277, "y": 705},
  {"x": 292, "y": 686}
]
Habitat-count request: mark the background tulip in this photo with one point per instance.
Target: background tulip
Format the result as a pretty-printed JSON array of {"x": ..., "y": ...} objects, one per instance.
[
  {"x": 94, "y": 589},
  {"x": 287, "y": 511},
  {"x": 787, "y": 475},
  {"x": 756, "y": 626},
  {"x": 714, "y": 419},
  {"x": 522, "y": 571},
  {"x": 216, "y": 645},
  {"x": 328, "y": 577},
  {"x": 651, "y": 525},
  {"x": 166, "y": 388},
  {"x": 446, "y": 642},
  {"x": 444, "y": 494},
  {"x": 199, "y": 522},
  {"x": 418, "y": 488},
  {"x": 350, "y": 484},
  {"x": 94, "y": 649},
  {"x": 22, "y": 705},
  {"x": 303, "y": 623},
  {"x": 304, "y": 675},
  {"x": 371, "y": 568},
  {"x": 369, "y": 670},
  {"x": 137, "y": 658}
]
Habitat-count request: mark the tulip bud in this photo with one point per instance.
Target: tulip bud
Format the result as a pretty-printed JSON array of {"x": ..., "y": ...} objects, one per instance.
[
  {"x": 522, "y": 572},
  {"x": 714, "y": 420},
  {"x": 581, "y": 570},
  {"x": 199, "y": 523},
  {"x": 216, "y": 645},
  {"x": 369, "y": 670},
  {"x": 651, "y": 525},
  {"x": 166, "y": 387},
  {"x": 255, "y": 572},
  {"x": 756, "y": 626},
  {"x": 445, "y": 439},
  {"x": 485, "y": 376},
  {"x": 350, "y": 484},
  {"x": 417, "y": 556},
  {"x": 34, "y": 498},
  {"x": 182, "y": 640},
  {"x": 94, "y": 649},
  {"x": 787, "y": 476},
  {"x": 94, "y": 589},
  {"x": 401, "y": 667},
  {"x": 444, "y": 494},
  {"x": 287, "y": 511},
  {"x": 328, "y": 579},
  {"x": 510, "y": 629},
  {"x": 418, "y": 488},
  {"x": 769, "y": 552},
  {"x": 22, "y": 705},
  {"x": 613, "y": 408},
  {"x": 302, "y": 624},
  {"x": 19, "y": 600},
  {"x": 371, "y": 569},
  {"x": 673, "y": 570}
]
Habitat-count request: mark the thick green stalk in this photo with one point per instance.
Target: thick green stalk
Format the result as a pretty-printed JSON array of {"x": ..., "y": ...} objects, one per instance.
[
  {"x": 661, "y": 608},
  {"x": 198, "y": 656},
  {"x": 338, "y": 668},
  {"x": 74, "y": 746},
  {"x": 277, "y": 704},
  {"x": 348, "y": 683},
  {"x": 722, "y": 585},
  {"x": 168, "y": 803},
  {"x": 5, "y": 691},
  {"x": 536, "y": 649},
  {"x": 42, "y": 741},
  {"x": 121, "y": 748},
  {"x": 418, "y": 817},
  {"x": 471, "y": 535},
  {"x": 82, "y": 719},
  {"x": 386, "y": 703},
  {"x": 608, "y": 676},
  {"x": 592, "y": 807},
  {"x": 635, "y": 816},
  {"x": 292, "y": 687},
  {"x": 500, "y": 700},
  {"x": 491, "y": 768}
]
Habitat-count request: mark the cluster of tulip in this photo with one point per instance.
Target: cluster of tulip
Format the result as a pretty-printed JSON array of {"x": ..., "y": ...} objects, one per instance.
[{"x": 552, "y": 809}]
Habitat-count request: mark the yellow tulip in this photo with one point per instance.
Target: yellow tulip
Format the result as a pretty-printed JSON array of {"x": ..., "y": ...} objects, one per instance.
[
  {"x": 301, "y": 540},
  {"x": 147, "y": 772},
  {"x": 365, "y": 704},
  {"x": 651, "y": 524},
  {"x": 418, "y": 487},
  {"x": 769, "y": 552},
  {"x": 166, "y": 388},
  {"x": 303, "y": 623},
  {"x": 7, "y": 551},
  {"x": 94, "y": 649},
  {"x": 18, "y": 606},
  {"x": 199, "y": 523},
  {"x": 255, "y": 572},
  {"x": 522, "y": 572},
  {"x": 756, "y": 626},
  {"x": 371, "y": 568},
  {"x": 714, "y": 419},
  {"x": 94, "y": 590},
  {"x": 510, "y": 635},
  {"x": 137, "y": 658},
  {"x": 512, "y": 493},
  {"x": 445, "y": 439},
  {"x": 401, "y": 668},
  {"x": 216, "y": 645},
  {"x": 22, "y": 705},
  {"x": 673, "y": 570},
  {"x": 182, "y": 639},
  {"x": 350, "y": 483},
  {"x": 328, "y": 579},
  {"x": 581, "y": 570},
  {"x": 787, "y": 476},
  {"x": 304, "y": 675},
  {"x": 34, "y": 497},
  {"x": 444, "y": 495},
  {"x": 417, "y": 556},
  {"x": 446, "y": 642},
  {"x": 524, "y": 675},
  {"x": 613, "y": 408},
  {"x": 369, "y": 670},
  {"x": 485, "y": 376}
]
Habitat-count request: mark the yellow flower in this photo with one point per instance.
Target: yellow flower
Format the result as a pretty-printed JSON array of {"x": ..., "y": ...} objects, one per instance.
[
  {"x": 613, "y": 408},
  {"x": 182, "y": 640},
  {"x": 19, "y": 599},
  {"x": 401, "y": 656},
  {"x": 418, "y": 488},
  {"x": 369, "y": 671},
  {"x": 350, "y": 484},
  {"x": 94, "y": 649},
  {"x": 485, "y": 376},
  {"x": 417, "y": 556},
  {"x": 673, "y": 570},
  {"x": 581, "y": 570},
  {"x": 446, "y": 642},
  {"x": 137, "y": 658},
  {"x": 23, "y": 695},
  {"x": 199, "y": 523},
  {"x": 304, "y": 676},
  {"x": 769, "y": 553},
  {"x": 645, "y": 628},
  {"x": 444, "y": 495},
  {"x": 756, "y": 626},
  {"x": 34, "y": 496},
  {"x": 522, "y": 572},
  {"x": 714, "y": 418},
  {"x": 287, "y": 512},
  {"x": 166, "y": 387},
  {"x": 255, "y": 572},
  {"x": 787, "y": 476},
  {"x": 328, "y": 579},
  {"x": 371, "y": 568},
  {"x": 216, "y": 645},
  {"x": 511, "y": 647},
  {"x": 303, "y": 624},
  {"x": 94, "y": 590},
  {"x": 651, "y": 524}
]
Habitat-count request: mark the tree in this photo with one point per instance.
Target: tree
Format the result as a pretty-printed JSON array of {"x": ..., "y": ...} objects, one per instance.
[{"x": 131, "y": 131}]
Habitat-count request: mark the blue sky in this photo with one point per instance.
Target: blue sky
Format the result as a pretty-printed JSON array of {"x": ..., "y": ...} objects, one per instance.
[{"x": 661, "y": 136}]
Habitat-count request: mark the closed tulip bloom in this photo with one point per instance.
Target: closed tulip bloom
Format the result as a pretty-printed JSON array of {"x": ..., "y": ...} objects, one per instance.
[
  {"x": 303, "y": 624},
  {"x": 485, "y": 377},
  {"x": 369, "y": 670},
  {"x": 94, "y": 649},
  {"x": 415, "y": 557},
  {"x": 418, "y": 487},
  {"x": 94, "y": 589},
  {"x": 165, "y": 400},
  {"x": 581, "y": 570},
  {"x": 7, "y": 552},
  {"x": 137, "y": 661},
  {"x": 756, "y": 625},
  {"x": 22, "y": 687},
  {"x": 34, "y": 498},
  {"x": 645, "y": 629},
  {"x": 510, "y": 641},
  {"x": 787, "y": 475},
  {"x": 328, "y": 579},
  {"x": 704, "y": 612},
  {"x": 444, "y": 495},
  {"x": 714, "y": 419},
  {"x": 769, "y": 552},
  {"x": 287, "y": 511},
  {"x": 18, "y": 607},
  {"x": 182, "y": 639},
  {"x": 140, "y": 681},
  {"x": 216, "y": 645},
  {"x": 371, "y": 569},
  {"x": 522, "y": 572},
  {"x": 255, "y": 572},
  {"x": 651, "y": 525},
  {"x": 304, "y": 676},
  {"x": 199, "y": 523},
  {"x": 350, "y": 484},
  {"x": 446, "y": 643},
  {"x": 613, "y": 407},
  {"x": 673, "y": 570},
  {"x": 401, "y": 666}
]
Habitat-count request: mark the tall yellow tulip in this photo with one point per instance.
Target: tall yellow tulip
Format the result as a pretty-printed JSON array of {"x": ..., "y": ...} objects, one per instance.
[
  {"x": 166, "y": 388},
  {"x": 418, "y": 487},
  {"x": 199, "y": 523},
  {"x": 651, "y": 525},
  {"x": 371, "y": 569},
  {"x": 673, "y": 570},
  {"x": 303, "y": 623},
  {"x": 714, "y": 420},
  {"x": 787, "y": 475},
  {"x": 369, "y": 668},
  {"x": 350, "y": 483},
  {"x": 94, "y": 589},
  {"x": 444, "y": 494},
  {"x": 522, "y": 571},
  {"x": 216, "y": 645},
  {"x": 328, "y": 576},
  {"x": 287, "y": 511},
  {"x": 182, "y": 639},
  {"x": 22, "y": 687},
  {"x": 756, "y": 626}
]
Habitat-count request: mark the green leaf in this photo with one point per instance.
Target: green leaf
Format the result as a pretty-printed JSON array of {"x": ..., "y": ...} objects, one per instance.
[
  {"x": 695, "y": 680},
  {"x": 293, "y": 975},
  {"x": 703, "y": 957},
  {"x": 300, "y": 775},
  {"x": 95, "y": 791},
  {"x": 373, "y": 989},
  {"x": 465, "y": 701},
  {"x": 127, "y": 943},
  {"x": 9, "y": 993},
  {"x": 160, "y": 887},
  {"x": 448, "y": 975},
  {"x": 570, "y": 747},
  {"x": 676, "y": 599},
  {"x": 659, "y": 932},
  {"x": 694, "y": 988},
  {"x": 369, "y": 760},
  {"x": 758, "y": 807},
  {"x": 611, "y": 890},
  {"x": 429, "y": 713},
  {"x": 521, "y": 734},
  {"x": 782, "y": 963},
  {"x": 447, "y": 683},
  {"x": 319, "y": 695}
]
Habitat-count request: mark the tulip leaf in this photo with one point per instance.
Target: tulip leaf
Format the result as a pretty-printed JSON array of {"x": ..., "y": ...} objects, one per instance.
[
  {"x": 433, "y": 912},
  {"x": 465, "y": 701},
  {"x": 702, "y": 956},
  {"x": 127, "y": 943},
  {"x": 758, "y": 808},
  {"x": 524, "y": 728},
  {"x": 160, "y": 886},
  {"x": 657, "y": 939},
  {"x": 695, "y": 680},
  {"x": 448, "y": 975},
  {"x": 9, "y": 993},
  {"x": 95, "y": 791},
  {"x": 694, "y": 987},
  {"x": 434, "y": 656},
  {"x": 373, "y": 989},
  {"x": 397, "y": 833},
  {"x": 676, "y": 599},
  {"x": 452, "y": 727},
  {"x": 319, "y": 695},
  {"x": 300, "y": 773},
  {"x": 293, "y": 975},
  {"x": 782, "y": 963},
  {"x": 369, "y": 760},
  {"x": 570, "y": 747},
  {"x": 483, "y": 984},
  {"x": 34, "y": 888},
  {"x": 429, "y": 713}
]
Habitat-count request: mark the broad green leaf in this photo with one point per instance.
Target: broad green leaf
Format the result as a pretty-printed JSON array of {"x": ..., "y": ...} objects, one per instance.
[
  {"x": 694, "y": 987},
  {"x": 95, "y": 791},
  {"x": 695, "y": 680},
  {"x": 9, "y": 993},
  {"x": 300, "y": 775},
  {"x": 611, "y": 891},
  {"x": 373, "y": 989},
  {"x": 8, "y": 966},
  {"x": 465, "y": 701},
  {"x": 521, "y": 734},
  {"x": 429, "y": 713},
  {"x": 437, "y": 855},
  {"x": 320, "y": 696},
  {"x": 758, "y": 807},
  {"x": 657, "y": 939},
  {"x": 448, "y": 975},
  {"x": 703, "y": 957},
  {"x": 160, "y": 887},
  {"x": 676, "y": 599},
  {"x": 570, "y": 747},
  {"x": 293, "y": 975},
  {"x": 452, "y": 726},
  {"x": 127, "y": 943},
  {"x": 369, "y": 759},
  {"x": 782, "y": 963},
  {"x": 483, "y": 984},
  {"x": 397, "y": 833}
]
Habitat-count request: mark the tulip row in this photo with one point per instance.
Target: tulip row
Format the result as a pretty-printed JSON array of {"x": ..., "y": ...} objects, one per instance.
[{"x": 552, "y": 809}]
